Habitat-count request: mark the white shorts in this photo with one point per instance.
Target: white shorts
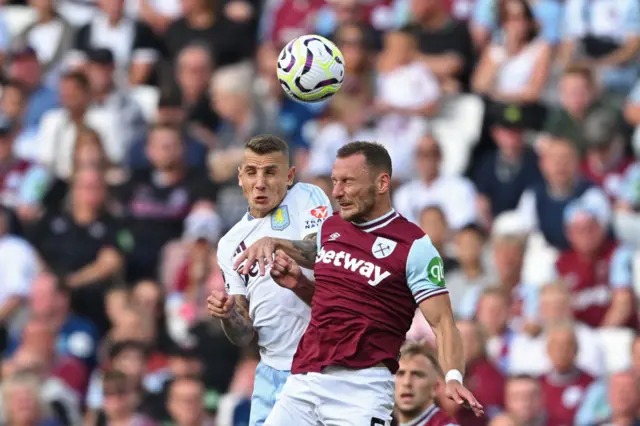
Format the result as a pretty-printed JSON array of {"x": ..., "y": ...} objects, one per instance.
[{"x": 336, "y": 397}]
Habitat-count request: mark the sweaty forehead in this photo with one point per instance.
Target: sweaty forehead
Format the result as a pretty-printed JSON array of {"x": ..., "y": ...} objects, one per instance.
[
  {"x": 353, "y": 166},
  {"x": 265, "y": 160}
]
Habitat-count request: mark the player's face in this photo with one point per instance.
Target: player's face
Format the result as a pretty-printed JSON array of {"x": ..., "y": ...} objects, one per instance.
[
  {"x": 354, "y": 189},
  {"x": 264, "y": 180},
  {"x": 415, "y": 385}
]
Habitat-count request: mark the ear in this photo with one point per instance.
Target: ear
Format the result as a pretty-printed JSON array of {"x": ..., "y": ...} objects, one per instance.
[
  {"x": 291, "y": 175},
  {"x": 384, "y": 183}
]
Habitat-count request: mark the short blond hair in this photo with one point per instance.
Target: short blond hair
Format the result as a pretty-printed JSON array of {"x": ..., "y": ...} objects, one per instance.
[
  {"x": 412, "y": 348},
  {"x": 20, "y": 379}
]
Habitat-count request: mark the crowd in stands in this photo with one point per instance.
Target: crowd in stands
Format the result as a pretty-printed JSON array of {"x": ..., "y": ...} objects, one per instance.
[{"x": 513, "y": 126}]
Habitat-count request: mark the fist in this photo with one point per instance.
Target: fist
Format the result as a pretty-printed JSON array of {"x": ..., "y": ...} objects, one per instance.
[{"x": 220, "y": 304}]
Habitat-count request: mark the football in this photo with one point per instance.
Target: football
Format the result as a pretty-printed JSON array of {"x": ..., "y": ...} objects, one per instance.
[{"x": 310, "y": 68}]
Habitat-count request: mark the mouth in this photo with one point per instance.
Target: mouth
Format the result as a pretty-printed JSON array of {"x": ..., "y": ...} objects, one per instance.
[
  {"x": 261, "y": 199},
  {"x": 406, "y": 396}
]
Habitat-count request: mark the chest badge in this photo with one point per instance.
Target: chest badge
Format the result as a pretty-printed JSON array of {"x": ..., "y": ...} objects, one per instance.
[
  {"x": 383, "y": 247},
  {"x": 280, "y": 219}
]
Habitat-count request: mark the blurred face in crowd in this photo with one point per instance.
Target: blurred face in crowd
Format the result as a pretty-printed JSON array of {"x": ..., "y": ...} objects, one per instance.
[
  {"x": 13, "y": 103},
  {"x": 562, "y": 348},
  {"x": 185, "y": 365},
  {"x": 576, "y": 94},
  {"x": 555, "y": 304},
  {"x": 146, "y": 296},
  {"x": 173, "y": 115},
  {"x": 433, "y": 223},
  {"x": 132, "y": 325},
  {"x": 471, "y": 342},
  {"x": 131, "y": 362},
  {"x": 585, "y": 234},
  {"x": 508, "y": 255},
  {"x": 194, "y": 71},
  {"x": 32, "y": 361},
  {"x": 112, "y": 8},
  {"x": 502, "y": 420},
  {"x": 88, "y": 189},
  {"x": 229, "y": 103},
  {"x": 559, "y": 164},
  {"x": 22, "y": 404},
  {"x": 39, "y": 336},
  {"x": 605, "y": 157},
  {"x": 516, "y": 22},
  {"x": 72, "y": 95},
  {"x": 356, "y": 187},
  {"x": 347, "y": 11},
  {"x": 523, "y": 399},
  {"x": 165, "y": 149},
  {"x": 46, "y": 301},
  {"x": 493, "y": 313},
  {"x": 193, "y": 6},
  {"x": 100, "y": 77},
  {"x": 469, "y": 244},
  {"x": 6, "y": 145},
  {"x": 351, "y": 42},
  {"x": 401, "y": 46},
  {"x": 510, "y": 142},
  {"x": 428, "y": 158},
  {"x": 26, "y": 69},
  {"x": 88, "y": 153},
  {"x": 624, "y": 398},
  {"x": 264, "y": 180},
  {"x": 186, "y": 402},
  {"x": 423, "y": 9},
  {"x": 118, "y": 400},
  {"x": 416, "y": 382}
]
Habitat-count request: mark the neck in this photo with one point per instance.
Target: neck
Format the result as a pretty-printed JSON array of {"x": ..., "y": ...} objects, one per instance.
[
  {"x": 435, "y": 20},
  {"x": 562, "y": 190},
  {"x": 114, "y": 20},
  {"x": 47, "y": 16},
  {"x": 77, "y": 116},
  {"x": 196, "y": 422},
  {"x": 171, "y": 176},
  {"x": 120, "y": 420},
  {"x": 190, "y": 97},
  {"x": 472, "y": 270},
  {"x": 510, "y": 282},
  {"x": 381, "y": 210},
  {"x": 430, "y": 178},
  {"x": 200, "y": 18},
  {"x": 406, "y": 417},
  {"x": 83, "y": 215}
]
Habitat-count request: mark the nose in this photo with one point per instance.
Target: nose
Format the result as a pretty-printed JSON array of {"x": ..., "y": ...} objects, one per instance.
[
  {"x": 261, "y": 182},
  {"x": 337, "y": 191}
]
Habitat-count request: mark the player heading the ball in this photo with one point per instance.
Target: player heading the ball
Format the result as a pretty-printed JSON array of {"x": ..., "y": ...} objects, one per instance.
[{"x": 371, "y": 267}]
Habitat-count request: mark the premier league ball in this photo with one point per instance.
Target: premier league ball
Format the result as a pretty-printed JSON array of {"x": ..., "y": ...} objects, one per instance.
[{"x": 310, "y": 68}]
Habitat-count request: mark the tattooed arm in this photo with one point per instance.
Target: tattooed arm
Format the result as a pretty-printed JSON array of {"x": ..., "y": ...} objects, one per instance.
[
  {"x": 238, "y": 325},
  {"x": 302, "y": 251}
]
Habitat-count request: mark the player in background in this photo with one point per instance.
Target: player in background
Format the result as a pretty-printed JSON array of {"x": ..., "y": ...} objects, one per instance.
[
  {"x": 254, "y": 305},
  {"x": 417, "y": 381},
  {"x": 372, "y": 267}
]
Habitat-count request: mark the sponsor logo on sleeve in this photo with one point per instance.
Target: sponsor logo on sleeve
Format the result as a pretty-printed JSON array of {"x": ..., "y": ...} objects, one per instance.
[
  {"x": 435, "y": 271},
  {"x": 280, "y": 219},
  {"x": 320, "y": 212}
]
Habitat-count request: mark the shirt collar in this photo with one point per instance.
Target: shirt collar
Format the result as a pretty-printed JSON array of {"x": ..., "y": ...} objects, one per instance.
[{"x": 424, "y": 417}]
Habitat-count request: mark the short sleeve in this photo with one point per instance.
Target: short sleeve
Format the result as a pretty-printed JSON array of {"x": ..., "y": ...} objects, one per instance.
[
  {"x": 425, "y": 270},
  {"x": 620, "y": 269},
  {"x": 313, "y": 208},
  {"x": 233, "y": 282}
]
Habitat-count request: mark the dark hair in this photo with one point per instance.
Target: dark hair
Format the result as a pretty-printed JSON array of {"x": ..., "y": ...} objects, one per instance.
[
  {"x": 115, "y": 378},
  {"x": 436, "y": 209},
  {"x": 169, "y": 127},
  {"x": 187, "y": 378},
  {"x": 528, "y": 13},
  {"x": 267, "y": 144},
  {"x": 79, "y": 78},
  {"x": 128, "y": 345},
  {"x": 475, "y": 228},
  {"x": 375, "y": 154},
  {"x": 522, "y": 377},
  {"x": 581, "y": 71}
]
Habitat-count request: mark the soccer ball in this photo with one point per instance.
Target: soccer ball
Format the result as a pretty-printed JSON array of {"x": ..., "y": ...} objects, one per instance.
[{"x": 310, "y": 68}]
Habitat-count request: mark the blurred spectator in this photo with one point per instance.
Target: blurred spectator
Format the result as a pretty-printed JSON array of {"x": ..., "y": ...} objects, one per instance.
[
  {"x": 565, "y": 385},
  {"x": 516, "y": 71},
  {"x": 445, "y": 43},
  {"x": 454, "y": 194},
  {"x": 156, "y": 201},
  {"x": 133, "y": 44},
  {"x": 407, "y": 92},
  {"x": 106, "y": 96},
  {"x": 18, "y": 268},
  {"x": 22, "y": 402},
  {"x": 171, "y": 112},
  {"x": 503, "y": 420},
  {"x": 597, "y": 271},
  {"x": 77, "y": 14},
  {"x": 606, "y": 161},
  {"x": 483, "y": 378},
  {"x": 632, "y": 113},
  {"x": 186, "y": 403},
  {"x": 504, "y": 175},
  {"x": 25, "y": 68},
  {"x": 50, "y": 302},
  {"x": 433, "y": 222},
  {"x": 527, "y": 350},
  {"x": 82, "y": 244},
  {"x": 194, "y": 66},
  {"x": 624, "y": 399},
  {"x": 231, "y": 37},
  {"x": 354, "y": 41},
  {"x": 157, "y": 14},
  {"x": 542, "y": 207},
  {"x": 120, "y": 401},
  {"x": 415, "y": 387},
  {"x": 60, "y": 127},
  {"x": 51, "y": 36},
  {"x": 578, "y": 99},
  {"x": 13, "y": 105},
  {"x": 607, "y": 34},
  {"x": 484, "y": 24},
  {"x": 493, "y": 315},
  {"x": 284, "y": 20},
  {"x": 62, "y": 400},
  {"x": 470, "y": 244},
  {"x": 523, "y": 401},
  {"x": 374, "y": 15}
]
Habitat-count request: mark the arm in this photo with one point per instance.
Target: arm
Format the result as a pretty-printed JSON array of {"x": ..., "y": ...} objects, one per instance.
[
  {"x": 106, "y": 265},
  {"x": 444, "y": 65},
  {"x": 484, "y": 75},
  {"x": 632, "y": 108},
  {"x": 620, "y": 280},
  {"x": 534, "y": 88},
  {"x": 622, "y": 55},
  {"x": 620, "y": 310},
  {"x": 437, "y": 311},
  {"x": 238, "y": 326}
]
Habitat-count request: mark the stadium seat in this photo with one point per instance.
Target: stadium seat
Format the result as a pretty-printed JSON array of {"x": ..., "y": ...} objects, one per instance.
[
  {"x": 17, "y": 18},
  {"x": 147, "y": 97},
  {"x": 616, "y": 344},
  {"x": 539, "y": 261},
  {"x": 458, "y": 128}
]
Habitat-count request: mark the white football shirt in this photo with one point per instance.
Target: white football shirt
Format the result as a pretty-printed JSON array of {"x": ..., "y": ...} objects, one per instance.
[{"x": 279, "y": 316}]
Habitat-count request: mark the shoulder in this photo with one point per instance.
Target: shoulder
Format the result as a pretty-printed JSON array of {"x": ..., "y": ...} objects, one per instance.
[
  {"x": 226, "y": 245},
  {"x": 306, "y": 191}
]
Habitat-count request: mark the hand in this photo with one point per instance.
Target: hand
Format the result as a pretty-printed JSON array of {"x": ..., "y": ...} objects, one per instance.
[
  {"x": 261, "y": 250},
  {"x": 461, "y": 395},
  {"x": 220, "y": 305},
  {"x": 285, "y": 271}
]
